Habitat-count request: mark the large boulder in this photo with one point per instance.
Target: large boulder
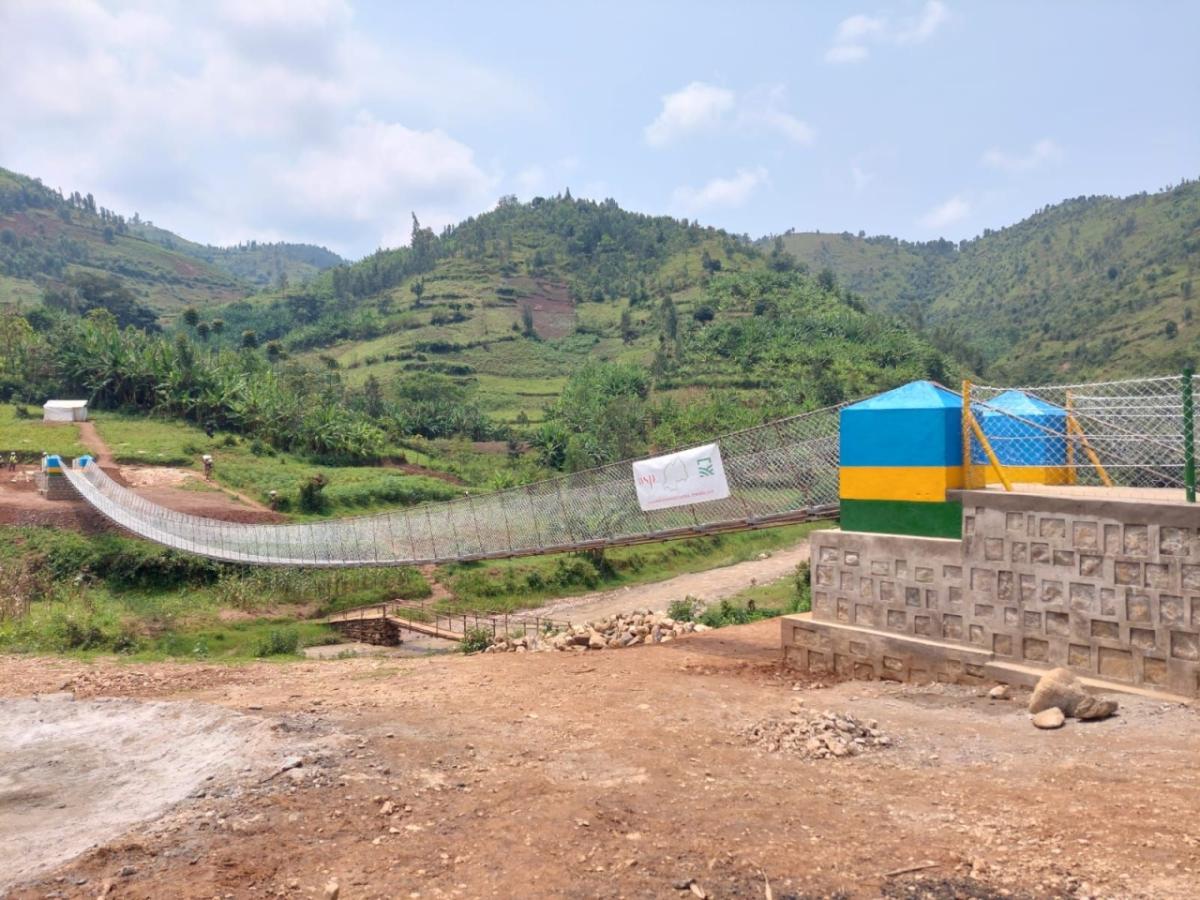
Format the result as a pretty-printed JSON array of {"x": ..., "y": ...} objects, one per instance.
[{"x": 1058, "y": 687}]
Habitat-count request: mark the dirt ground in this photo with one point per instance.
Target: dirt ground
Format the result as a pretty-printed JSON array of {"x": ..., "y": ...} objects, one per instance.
[
  {"x": 103, "y": 763},
  {"x": 624, "y": 774}
]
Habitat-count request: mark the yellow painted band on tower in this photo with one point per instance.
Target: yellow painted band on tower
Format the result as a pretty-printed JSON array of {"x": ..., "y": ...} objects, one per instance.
[
  {"x": 926, "y": 484},
  {"x": 983, "y": 473}
]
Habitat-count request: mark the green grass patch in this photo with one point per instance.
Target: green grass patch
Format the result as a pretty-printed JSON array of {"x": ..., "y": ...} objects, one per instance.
[
  {"x": 248, "y": 466},
  {"x": 144, "y": 440},
  {"x": 111, "y": 594},
  {"x": 30, "y": 436}
]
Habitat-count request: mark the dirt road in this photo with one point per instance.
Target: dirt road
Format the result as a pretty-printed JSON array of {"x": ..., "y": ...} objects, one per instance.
[
  {"x": 709, "y": 587},
  {"x": 624, "y": 774}
]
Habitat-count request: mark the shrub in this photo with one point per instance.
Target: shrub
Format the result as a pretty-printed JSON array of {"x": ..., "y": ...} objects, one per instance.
[
  {"x": 725, "y": 613},
  {"x": 312, "y": 497},
  {"x": 278, "y": 642},
  {"x": 682, "y": 610},
  {"x": 803, "y": 598},
  {"x": 476, "y": 640}
]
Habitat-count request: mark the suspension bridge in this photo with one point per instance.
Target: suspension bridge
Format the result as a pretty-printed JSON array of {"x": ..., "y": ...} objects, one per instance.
[
  {"x": 780, "y": 473},
  {"x": 1130, "y": 433}
]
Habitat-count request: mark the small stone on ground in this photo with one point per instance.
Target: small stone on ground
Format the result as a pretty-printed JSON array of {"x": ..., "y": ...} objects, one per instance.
[{"x": 1049, "y": 718}]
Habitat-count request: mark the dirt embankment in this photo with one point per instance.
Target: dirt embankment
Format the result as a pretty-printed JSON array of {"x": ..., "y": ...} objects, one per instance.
[{"x": 630, "y": 774}]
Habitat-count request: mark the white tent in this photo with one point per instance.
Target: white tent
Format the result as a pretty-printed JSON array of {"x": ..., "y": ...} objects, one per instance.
[{"x": 64, "y": 411}]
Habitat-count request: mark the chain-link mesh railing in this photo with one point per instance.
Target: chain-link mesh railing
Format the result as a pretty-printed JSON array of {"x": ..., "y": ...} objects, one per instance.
[
  {"x": 1117, "y": 434},
  {"x": 785, "y": 471}
]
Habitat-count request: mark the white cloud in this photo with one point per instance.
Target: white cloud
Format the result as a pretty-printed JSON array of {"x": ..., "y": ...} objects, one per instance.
[
  {"x": 846, "y": 53},
  {"x": 857, "y": 27},
  {"x": 861, "y": 178},
  {"x": 933, "y": 17},
  {"x": 698, "y": 107},
  {"x": 195, "y": 114},
  {"x": 1041, "y": 153},
  {"x": 721, "y": 192},
  {"x": 953, "y": 210},
  {"x": 704, "y": 108},
  {"x": 764, "y": 109},
  {"x": 375, "y": 168},
  {"x": 855, "y": 34}
]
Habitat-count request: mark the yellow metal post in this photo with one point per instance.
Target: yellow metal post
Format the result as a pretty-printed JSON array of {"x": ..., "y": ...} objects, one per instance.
[
  {"x": 987, "y": 448},
  {"x": 969, "y": 477},
  {"x": 1073, "y": 425},
  {"x": 1072, "y": 477}
]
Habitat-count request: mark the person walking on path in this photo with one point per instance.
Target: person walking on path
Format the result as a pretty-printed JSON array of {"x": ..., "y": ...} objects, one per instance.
[{"x": 12, "y": 461}]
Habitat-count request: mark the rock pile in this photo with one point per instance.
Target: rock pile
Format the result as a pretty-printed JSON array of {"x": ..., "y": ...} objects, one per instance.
[
  {"x": 611, "y": 633},
  {"x": 825, "y": 735}
]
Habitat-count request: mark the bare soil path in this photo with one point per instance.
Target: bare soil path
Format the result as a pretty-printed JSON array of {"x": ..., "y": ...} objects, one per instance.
[
  {"x": 708, "y": 586},
  {"x": 625, "y": 774},
  {"x": 89, "y": 436}
]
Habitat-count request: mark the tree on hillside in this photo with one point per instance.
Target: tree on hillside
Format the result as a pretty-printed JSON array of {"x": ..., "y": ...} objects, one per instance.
[
  {"x": 527, "y": 322},
  {"x": 249, "y": 339},
  {"x": 373, "y": 404},
  {"x": 203, "y": 329},
  {"x": 670, "y": 319},
  {"x": 218, "y": 326},
  {"x": 421, "y": 244},
  {"x": 87, "y": 291},
  {"x": 418, "y": 291},
  {"x": 627, "y": 330},
  {"x": 191, "y": 317}
]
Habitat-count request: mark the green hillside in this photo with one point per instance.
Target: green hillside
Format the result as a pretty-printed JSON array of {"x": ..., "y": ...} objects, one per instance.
[
  {"x": 257, "y": 263},
  {"x": 44, "y": 237},
  {"x": 1094, "y": 286},
  {"x": 508, "y": 305}
]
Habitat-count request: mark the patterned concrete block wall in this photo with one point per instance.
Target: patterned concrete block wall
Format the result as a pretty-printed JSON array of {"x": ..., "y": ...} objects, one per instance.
[
  {"x": 898, "y": 583},
  {"x": 1107, "y": 588}
]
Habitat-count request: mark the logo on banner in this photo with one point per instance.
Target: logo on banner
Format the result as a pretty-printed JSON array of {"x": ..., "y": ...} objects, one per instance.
[{"x": 681, "y": 479}]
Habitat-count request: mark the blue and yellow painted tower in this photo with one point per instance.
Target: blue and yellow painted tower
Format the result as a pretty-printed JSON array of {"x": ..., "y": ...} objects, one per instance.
[
  {"x": 900, "y": 452},
  {"x": 1029, "y": 437}
]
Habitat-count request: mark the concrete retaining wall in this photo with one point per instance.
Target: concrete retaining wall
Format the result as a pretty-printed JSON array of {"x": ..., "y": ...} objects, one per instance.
[{"x": 1109, "y": 588}]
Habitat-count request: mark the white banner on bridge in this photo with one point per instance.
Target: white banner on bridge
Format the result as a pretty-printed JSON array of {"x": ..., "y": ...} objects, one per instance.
[{"x": 689, "y": 476}]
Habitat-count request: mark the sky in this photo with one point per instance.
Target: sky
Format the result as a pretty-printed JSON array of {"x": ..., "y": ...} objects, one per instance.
[{"x": 332, "y": 121}]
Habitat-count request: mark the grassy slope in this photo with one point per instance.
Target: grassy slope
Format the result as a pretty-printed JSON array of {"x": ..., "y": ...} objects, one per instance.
[
  {"x": 351, "y": 489},
  {"x": 1080, "y": 289},
  {"x": 468, "y": 322},
  {"x": 513, "y": 374},
  {"x": 166, "y": 271},
  {"x": 164, "y": 279},
  {"x": 29, "y": 437},
  {"x": 256, "y": 264}
]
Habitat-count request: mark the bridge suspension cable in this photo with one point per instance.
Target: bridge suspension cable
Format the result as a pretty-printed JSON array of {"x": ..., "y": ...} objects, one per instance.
[{"x": 784, "y": 471}]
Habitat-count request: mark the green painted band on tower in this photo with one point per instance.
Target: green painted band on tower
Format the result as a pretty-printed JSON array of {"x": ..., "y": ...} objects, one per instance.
[{"x": 903, "y": 517}]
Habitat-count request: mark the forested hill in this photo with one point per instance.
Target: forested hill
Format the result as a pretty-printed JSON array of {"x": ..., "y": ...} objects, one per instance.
[
  {"x": 507, "y": 306},
  {"x": 47, "y": 238},
  {"x": 1094, "y": 286},
  {"x": 258, "y": 263}
]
